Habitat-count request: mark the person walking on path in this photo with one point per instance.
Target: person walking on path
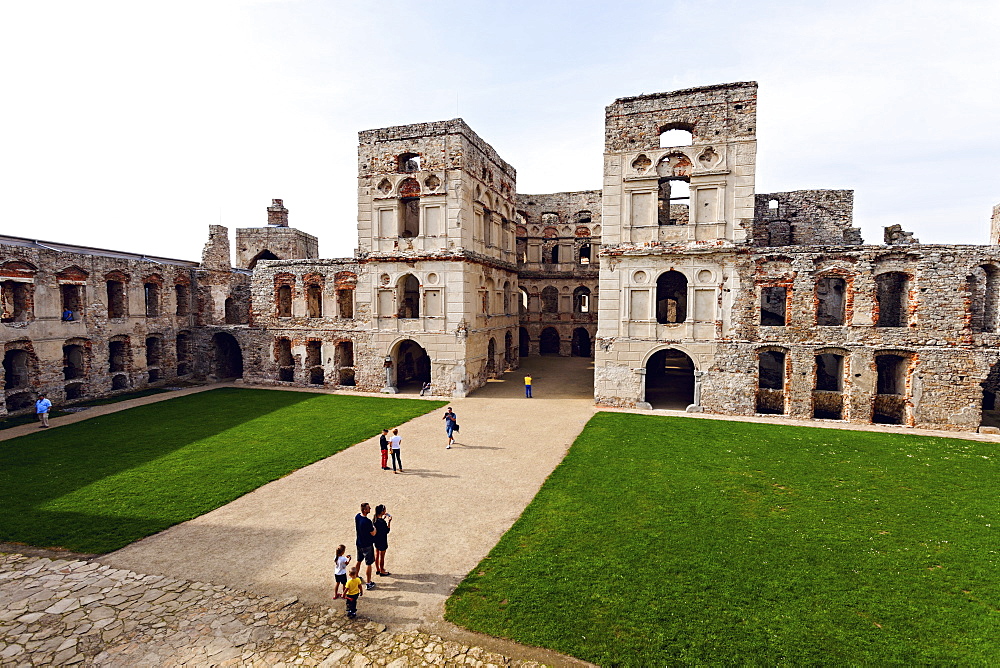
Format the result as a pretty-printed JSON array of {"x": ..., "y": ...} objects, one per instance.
[
  {"x": 383, "y": 444},
  {"x": 394, "y": 450},
  {"x": 527, "y": 386},
  {"x": 340, "y": 572},
  {"x": 42, "y": 406},
  {"x": 352, "y": 592},
  {"x": 450, "y": 424},
  {"x": 383, "y": 525},
  {"x": 365, "y": 541}
]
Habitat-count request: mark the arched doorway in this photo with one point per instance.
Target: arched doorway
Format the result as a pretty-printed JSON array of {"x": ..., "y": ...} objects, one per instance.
[
  {"x": 523, "y": 343},
  {"x": 413, "y": 366},
  {"x": 548, "y": 342},
  {"x": 991, "y": 407},
  {"x": 491, "y": 357},
  {"x": 228, "y": 356},
  {"x": 669, "y": 380},
  {"x": 581, "y": 342}
]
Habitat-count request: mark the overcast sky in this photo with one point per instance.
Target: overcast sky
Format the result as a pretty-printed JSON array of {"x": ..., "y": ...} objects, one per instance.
[{"x": 135, "y": 125}]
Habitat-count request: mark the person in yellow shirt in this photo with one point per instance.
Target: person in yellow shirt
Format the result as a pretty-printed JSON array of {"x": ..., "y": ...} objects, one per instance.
[
  {"x": 527, "y": 386},
  {"x": 352, "y": 592}
]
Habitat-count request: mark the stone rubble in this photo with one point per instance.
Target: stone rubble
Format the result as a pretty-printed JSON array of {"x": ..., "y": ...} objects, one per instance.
[{"x": 80, "y": 613}]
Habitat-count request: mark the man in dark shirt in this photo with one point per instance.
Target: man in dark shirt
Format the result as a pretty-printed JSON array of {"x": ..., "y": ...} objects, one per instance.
[
  {"x": 383, "y": 443},
  {"x": 365, "y": 541}
]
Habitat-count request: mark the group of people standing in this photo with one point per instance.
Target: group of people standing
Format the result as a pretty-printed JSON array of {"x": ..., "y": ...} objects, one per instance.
[
  {"x": 390, "y": 445},
  {"x": 372, "y": 542}
]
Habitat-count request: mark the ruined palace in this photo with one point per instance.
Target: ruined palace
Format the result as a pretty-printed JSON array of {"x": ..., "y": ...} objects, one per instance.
[{"x": 690, "y": 289}]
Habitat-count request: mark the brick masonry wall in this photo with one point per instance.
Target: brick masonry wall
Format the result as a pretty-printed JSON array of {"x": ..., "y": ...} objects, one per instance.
[{"x": 813, "y": 217}]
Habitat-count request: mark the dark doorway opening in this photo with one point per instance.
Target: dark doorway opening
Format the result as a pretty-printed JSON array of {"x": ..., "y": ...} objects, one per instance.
[
  {"x": 548, "y": 342},
  {"x": 413, "y": 366},
  {"x": 670, "y": 380},
  {"x": 228, "y": 356},
  {"x": 581, "y": 343},
  {"x": 523, "y": 343}
]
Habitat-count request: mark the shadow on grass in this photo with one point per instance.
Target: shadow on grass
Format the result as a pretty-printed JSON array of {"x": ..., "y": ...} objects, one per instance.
[{"x": 100, "y": 484}]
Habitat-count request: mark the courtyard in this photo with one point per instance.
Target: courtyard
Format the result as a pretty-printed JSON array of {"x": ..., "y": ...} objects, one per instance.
[{"x": 652, "y": 539}]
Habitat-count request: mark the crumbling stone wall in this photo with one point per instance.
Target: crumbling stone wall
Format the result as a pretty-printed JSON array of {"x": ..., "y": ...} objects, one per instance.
[
  {"x": 804, "y": 218},
  {"x": 70, "y": 359}
]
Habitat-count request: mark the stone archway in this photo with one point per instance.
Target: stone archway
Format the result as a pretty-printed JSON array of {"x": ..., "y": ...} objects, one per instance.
[
  {"x": 228, "y": 356},
  {"x": 523, "y": 343},
  {"x": 669, "y": 380},
  {"x": 412, "y": 365},
  {"x": 581, "y": 343},
  {"x": 548, "y": 342}
]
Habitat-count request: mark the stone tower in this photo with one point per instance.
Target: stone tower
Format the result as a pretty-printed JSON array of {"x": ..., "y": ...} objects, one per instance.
[
  {"x": 436, "y": 234},
  {"x": 675, "y": 211},
  {"x": 277, "y": 241}
]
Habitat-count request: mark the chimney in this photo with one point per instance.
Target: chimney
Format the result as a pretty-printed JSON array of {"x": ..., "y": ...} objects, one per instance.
[{"x": 277, "y": 214}]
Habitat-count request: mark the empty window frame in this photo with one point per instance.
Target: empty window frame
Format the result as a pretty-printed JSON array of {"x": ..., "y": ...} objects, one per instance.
[
  {"x": 892, "y": 295},
  {"x": 827, "y": 397},
  {"x": 674, "y": 200},
  {"x": 314, "y": 300},
  {"x": 283, "y": 356},
  {"x": 74, "y": 361},
  {"x": 117, "y": 300},
  {"x": 345, "y": 303},
  {"x": 671, "y": 298},
  {"x": 284, "y": 299},
  {"x": 550, "y": 299},
  {"x": 71, "y": 296},
  {"x": 409, "y": 297},
  {"x": 831, "y": 300},
  {"x": 118, "y": 356},
  {"x": 151, "y": 293},
  {"x": 984, "y": 289},
  {"x": 771, "y": 382},
  {"x": 773, "y": 305},
  {"x": 182, "y": 295},
  {"x": 581, "y": 300},
  {"x": 585, "y": 254},
  {"x": 410, "y": 217},
  {"x": 890, "y": 389},
  {"x": 17, "y": 301}
]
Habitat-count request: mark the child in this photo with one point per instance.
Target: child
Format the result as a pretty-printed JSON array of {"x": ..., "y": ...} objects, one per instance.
[
  {"x": 352, "y": 591},
  {"x": 340, "y": 572}
]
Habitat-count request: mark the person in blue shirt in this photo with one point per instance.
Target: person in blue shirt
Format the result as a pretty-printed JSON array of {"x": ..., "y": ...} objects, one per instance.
[{"x": 42, "y": 406}]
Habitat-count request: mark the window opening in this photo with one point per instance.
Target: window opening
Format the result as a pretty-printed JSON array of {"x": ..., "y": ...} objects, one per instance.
[
  {"x": 314, "y": 301},
  {"x": 581, "y": 300},
  {"x": 672, "y": 137},
  {"x": 411, "y": 217},
  {"x": 152, "y": 294},
  {"x": 16, "y": 368},
  {"x": 183, "y": 297},
  {"x": 116, "y": 299},
  {"x": 117, "y": 356},
  {"x": 674, "y": 201},
  {"x": 550, "y": 300},
  {"x": 74, "y": 365},
  {"x": 407, "y": 163},
  {"x": 345, "y": 303},
  {"x": 771, "y": 382},
  {"x": 585, "y": 254},
  {"x": 671, "y": 298},
  {"x": 409, "y": 304},
  {"x": 16, "y": 298},
  {"x": 891, "y": 294},
  {"x": 773, "y": 299},
  {"x": 890, "y": 390},
  {"x": 72, "y": 301},
  {"x": 284, "y": 301},
  {"x": 830, "y": 301}
]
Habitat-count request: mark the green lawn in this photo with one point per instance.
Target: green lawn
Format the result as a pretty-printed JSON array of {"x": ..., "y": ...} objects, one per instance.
[
  {"x": 29, "y": 418},
  {"x": 100, "y": 484},
  {"x": 664, "y": 541}
]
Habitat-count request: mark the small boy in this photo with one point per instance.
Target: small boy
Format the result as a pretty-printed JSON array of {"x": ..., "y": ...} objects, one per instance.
[{"x": 352, "y": 592}]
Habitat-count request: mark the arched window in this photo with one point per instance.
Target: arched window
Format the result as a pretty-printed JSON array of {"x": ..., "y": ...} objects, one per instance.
[
  {"x": 581, "y": 300},
  {"x": 671, "y": 298},
  {"x": 409, "y": 297},
  {"x": 151, "y": 290},
  {"x": 550, "y": 300},
  {"x": 676, "y": 134}
]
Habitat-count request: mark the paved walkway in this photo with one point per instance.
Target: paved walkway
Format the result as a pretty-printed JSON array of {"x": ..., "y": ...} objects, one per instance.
[
  {"x": 82, "y": 613},
  {"x": 449, "y": 508}
]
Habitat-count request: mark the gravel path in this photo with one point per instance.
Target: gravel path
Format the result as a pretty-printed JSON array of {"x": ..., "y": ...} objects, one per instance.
[{"x": 449, "y": 508}]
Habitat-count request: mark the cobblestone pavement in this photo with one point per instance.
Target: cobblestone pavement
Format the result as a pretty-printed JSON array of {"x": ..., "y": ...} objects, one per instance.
[{"x": 60, "y": 612}]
